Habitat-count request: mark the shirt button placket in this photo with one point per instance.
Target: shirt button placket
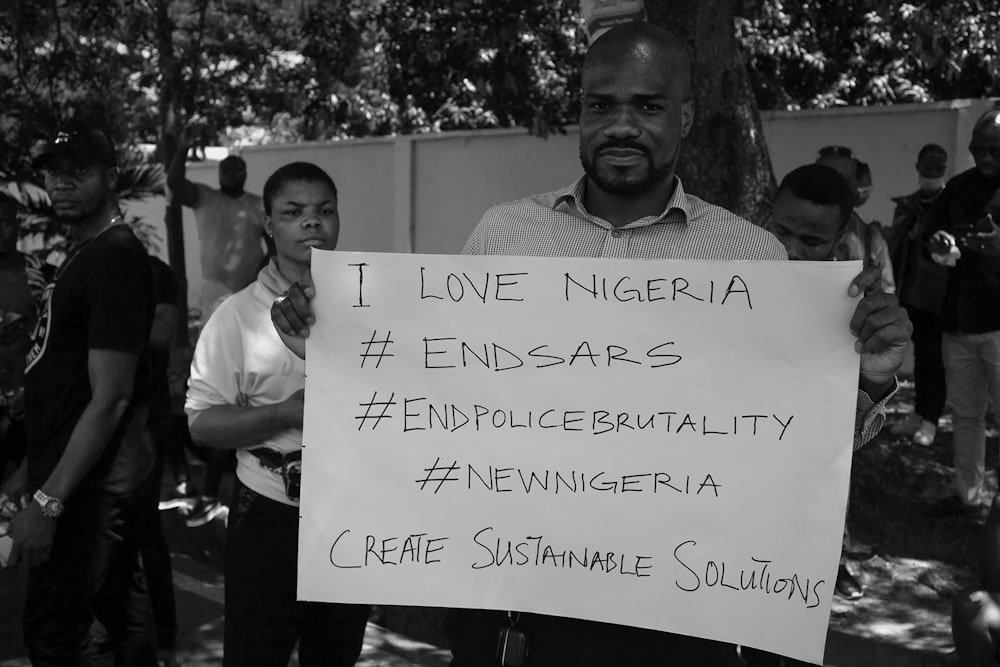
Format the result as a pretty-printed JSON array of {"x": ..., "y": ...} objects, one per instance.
[{"x": 616, "y": 244}]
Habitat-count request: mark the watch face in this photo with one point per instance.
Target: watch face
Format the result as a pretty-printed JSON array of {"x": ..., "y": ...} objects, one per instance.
[{"x": 51, "y": 507}]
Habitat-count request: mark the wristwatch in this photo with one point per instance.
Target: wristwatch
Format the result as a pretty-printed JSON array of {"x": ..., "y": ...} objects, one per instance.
[{"x": 51, "y": 507}]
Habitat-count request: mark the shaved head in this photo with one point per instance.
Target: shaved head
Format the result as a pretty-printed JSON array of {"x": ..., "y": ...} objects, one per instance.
[
  {"x": 988, "y": 121},
  {"x": 641, "y": 42},
  {"x": 985, "y": 144}
]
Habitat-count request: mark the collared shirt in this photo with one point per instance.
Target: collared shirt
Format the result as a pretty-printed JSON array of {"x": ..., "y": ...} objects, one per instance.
[{"x": 557, "y": 224}]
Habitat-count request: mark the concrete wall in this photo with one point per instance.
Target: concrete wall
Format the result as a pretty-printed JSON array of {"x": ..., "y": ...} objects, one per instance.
[{"x": 425, "y": 193}]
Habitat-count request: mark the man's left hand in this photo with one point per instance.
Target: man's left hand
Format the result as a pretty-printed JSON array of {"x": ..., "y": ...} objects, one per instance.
[
  {"x": 883, "y": 330},
  {"x": 33, "y": 533},
  {"x": 985, "y": 242}
]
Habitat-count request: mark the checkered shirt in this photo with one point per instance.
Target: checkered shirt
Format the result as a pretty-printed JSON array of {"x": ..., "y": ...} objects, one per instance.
[{"x": 557, "y": 224}]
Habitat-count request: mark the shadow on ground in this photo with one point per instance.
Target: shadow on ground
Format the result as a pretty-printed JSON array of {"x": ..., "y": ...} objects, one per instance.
[{"x": 912, "y": 560}]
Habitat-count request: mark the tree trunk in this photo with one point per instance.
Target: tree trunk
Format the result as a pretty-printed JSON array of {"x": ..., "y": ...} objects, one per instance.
[
  {"x": 725, "y": 158},
  {"x": 170, "y": 93}
]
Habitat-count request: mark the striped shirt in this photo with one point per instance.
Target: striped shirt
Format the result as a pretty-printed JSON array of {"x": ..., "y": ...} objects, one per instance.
[{"x": 557, "y": 224}]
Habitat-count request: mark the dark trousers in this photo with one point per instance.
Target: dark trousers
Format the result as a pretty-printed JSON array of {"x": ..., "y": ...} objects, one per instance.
[
  {"x": 263, "y": 619},
  {"x": 92, "y": 572},
  {"x": 566, "y": 642},
  {"x": 155, "y": 553},
  {"x": 928, "y": 368}
]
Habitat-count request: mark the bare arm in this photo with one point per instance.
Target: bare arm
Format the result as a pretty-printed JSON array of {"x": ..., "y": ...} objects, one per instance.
[
  {"x": 111, "y": 374},
  {"x": 161, "y": 337},
  {"x": 235, "y": 427}
]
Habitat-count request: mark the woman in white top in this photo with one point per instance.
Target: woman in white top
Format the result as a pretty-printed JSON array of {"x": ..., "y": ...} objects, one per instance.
[{"x": 246, "y": 393}]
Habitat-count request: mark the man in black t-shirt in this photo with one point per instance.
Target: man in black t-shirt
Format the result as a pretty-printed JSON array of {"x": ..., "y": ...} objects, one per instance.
[{"x": 87, "y": 398}]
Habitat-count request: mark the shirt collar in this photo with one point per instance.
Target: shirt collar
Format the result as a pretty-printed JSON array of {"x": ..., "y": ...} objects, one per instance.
[{"x": 570, "y": 199}]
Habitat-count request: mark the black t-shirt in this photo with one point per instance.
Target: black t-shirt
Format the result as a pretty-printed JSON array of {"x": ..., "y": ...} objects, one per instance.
[{"x": 101, "y": 299}]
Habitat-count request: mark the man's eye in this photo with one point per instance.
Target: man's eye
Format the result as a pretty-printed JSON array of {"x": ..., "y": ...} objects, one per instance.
[
  {"x": 288, "y": 212},
  {"x": 598, "y": 106},
  {"x": 81, "y": 171},
  {"x": 652, "y": 107}
]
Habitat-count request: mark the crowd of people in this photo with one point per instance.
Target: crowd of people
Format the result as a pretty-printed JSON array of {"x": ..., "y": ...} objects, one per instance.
[{"x": 84, "y": 352}]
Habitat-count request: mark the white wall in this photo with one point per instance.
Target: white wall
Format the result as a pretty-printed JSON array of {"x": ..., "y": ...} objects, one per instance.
[{"x": 425, "y": 193}]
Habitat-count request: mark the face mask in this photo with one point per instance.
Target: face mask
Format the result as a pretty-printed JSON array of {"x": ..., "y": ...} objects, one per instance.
[{"x": 930, "y": 184}]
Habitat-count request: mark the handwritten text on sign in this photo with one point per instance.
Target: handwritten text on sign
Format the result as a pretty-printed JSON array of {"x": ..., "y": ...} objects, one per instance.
[{"x": 662, "y": 444}]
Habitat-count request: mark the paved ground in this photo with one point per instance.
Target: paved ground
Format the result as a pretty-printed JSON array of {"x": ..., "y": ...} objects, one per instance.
[{"x": 199, "y": 612}]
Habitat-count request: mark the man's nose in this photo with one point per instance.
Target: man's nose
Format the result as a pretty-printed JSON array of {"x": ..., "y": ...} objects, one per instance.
[
  {"x": 60, "y": 181},
  {"x": 622, "y": 123}
]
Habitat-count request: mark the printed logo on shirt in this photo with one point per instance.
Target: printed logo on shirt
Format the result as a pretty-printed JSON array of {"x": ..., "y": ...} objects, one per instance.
[{"x": 40, "y": 334}]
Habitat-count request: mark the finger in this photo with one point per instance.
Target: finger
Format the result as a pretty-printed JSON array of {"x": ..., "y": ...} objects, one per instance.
[
  {"x": 305, "y": 283},
  {"x": 869, "y": 279},
  {"x": 871, "y": 303},
  {"x": 298, "y": 326},
  {"x": 884, "y": 330},
  {"x": 300, "y": 297},
  {"x": 280, "y": 321}
]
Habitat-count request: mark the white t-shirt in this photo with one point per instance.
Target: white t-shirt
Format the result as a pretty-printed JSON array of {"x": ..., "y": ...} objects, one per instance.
[
  {"x": 230, "y": 231},
  {"x": 240, "y": 360}
]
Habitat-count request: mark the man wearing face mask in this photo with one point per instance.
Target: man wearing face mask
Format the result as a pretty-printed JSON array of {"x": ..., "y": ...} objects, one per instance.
[{"x": 920, "y": 283}]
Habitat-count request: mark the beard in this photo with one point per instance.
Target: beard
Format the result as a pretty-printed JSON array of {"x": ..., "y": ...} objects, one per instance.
[{"x": 618, "y": 181}]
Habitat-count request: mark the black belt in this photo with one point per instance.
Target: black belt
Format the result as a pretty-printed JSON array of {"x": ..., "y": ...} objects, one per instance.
[{"x": 274, "y": 460}]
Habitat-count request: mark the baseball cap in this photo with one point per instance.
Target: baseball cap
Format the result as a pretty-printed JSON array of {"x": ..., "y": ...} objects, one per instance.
[{"x": 86, "y": 145}]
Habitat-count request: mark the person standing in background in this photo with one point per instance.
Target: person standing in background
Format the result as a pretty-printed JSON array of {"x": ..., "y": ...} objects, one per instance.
[
  {"x": 22, "y": 282},
  {"x": 920, "y": 285},
  {"x": 963, "y": 235},
  {"x": 234, "y": 247}
]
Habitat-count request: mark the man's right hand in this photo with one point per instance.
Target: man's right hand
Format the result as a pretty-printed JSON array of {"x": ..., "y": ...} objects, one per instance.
[{"x": 292, "y": 315}]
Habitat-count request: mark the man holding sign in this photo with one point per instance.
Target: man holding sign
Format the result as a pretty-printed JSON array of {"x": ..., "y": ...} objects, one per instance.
[{"x": 636, "y": 111}]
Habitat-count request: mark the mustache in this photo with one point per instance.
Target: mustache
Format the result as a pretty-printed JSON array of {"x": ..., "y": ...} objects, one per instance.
[{"x": 622, "y": 144}]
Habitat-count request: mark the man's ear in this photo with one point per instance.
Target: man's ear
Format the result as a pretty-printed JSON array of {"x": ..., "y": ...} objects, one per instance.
[
  {"x": 267, "y": 226},
  {"x": 113, "y": 179},
  {"x": 687, "y": 117}
]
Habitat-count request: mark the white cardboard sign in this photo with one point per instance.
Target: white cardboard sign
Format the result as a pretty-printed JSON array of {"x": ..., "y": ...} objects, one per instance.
[{"x": 663, "y": 444}]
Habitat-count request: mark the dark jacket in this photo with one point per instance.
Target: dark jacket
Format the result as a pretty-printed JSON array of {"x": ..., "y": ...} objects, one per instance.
[
  {"x": 920, "y": 282},
  {"x": 972, "y": 298}
]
